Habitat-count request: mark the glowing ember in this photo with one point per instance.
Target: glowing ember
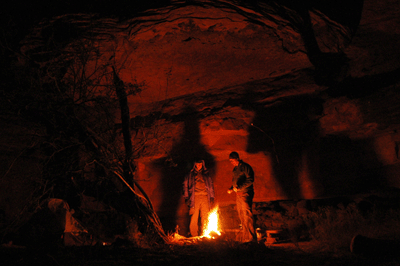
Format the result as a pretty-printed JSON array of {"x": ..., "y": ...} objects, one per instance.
[{"x": 212, "y": 225}]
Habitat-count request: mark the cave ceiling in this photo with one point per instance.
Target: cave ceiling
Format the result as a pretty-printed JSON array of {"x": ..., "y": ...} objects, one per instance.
[{"x": 211, "y": 54}]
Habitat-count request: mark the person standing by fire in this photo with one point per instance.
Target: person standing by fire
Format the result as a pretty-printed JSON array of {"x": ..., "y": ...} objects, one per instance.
[
  {"x": 242, "y": 184},
  {"x": 198, "y": 191}
]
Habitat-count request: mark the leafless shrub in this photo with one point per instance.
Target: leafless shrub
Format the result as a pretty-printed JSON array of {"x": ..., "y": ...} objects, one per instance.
[{"x": 334, "y": 228}]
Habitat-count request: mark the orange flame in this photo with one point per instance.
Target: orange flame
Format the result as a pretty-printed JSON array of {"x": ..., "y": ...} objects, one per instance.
[{"x": 212, "y": 225}]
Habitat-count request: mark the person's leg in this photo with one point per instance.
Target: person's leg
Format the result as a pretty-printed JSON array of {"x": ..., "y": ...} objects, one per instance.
[
  {"x": 246, "y": 202},
  {"x": 204, "y": 211},
  {"x": 194, "y": 218},
  {"x": 239, "y": 207}
]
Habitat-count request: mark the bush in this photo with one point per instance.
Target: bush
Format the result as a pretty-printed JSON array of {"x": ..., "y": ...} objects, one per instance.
[{"x": 334, "y": 227}]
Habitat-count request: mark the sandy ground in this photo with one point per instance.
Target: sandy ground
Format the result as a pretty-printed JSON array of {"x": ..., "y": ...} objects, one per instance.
[{"x": 214, "y": 252}]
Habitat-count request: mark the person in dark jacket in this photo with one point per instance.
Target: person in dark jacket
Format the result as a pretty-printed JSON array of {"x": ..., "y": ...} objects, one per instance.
[
  {"x": 242, "y": 184},
  {"x": 198, "y": 191}
]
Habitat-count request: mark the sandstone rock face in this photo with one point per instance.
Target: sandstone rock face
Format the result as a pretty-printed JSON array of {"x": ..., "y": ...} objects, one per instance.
[{"x": 306, "y": 93}]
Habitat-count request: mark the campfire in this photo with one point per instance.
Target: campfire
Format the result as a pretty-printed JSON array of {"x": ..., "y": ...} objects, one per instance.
[
  {"x": 210, "y": 231},
  {"x": 211, "y": 228}
]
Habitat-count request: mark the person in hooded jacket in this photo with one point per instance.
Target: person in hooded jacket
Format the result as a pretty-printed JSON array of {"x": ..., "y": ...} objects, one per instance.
[{"x": 198, "y": 192}]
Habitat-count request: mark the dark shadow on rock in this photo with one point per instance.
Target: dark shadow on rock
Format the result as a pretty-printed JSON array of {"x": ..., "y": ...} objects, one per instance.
[
  {"x": 285, "y": 130},
  {"x": 349, "y": 166},
  {"x": 355, "y": 88},
  {"x": 288, "y": 131},
  {"x": 330, "y": 68},
  {"x": 178, "y": 164}
]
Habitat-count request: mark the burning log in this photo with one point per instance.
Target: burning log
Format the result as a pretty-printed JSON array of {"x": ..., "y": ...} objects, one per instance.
[
  {"x": 211, "y": 230},
  {"x": 212, "y": 227}
]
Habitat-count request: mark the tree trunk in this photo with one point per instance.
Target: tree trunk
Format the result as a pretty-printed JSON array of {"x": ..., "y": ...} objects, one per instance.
[{"x": 143, "y": 204}]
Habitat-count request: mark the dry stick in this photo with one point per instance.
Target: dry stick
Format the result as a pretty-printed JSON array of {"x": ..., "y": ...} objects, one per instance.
[
  {"x": 12, "y": 164},
  {"x": 139, "y": 197},
  {"x": 142, "y": 191},
  {"x": 125, "y": 120}
]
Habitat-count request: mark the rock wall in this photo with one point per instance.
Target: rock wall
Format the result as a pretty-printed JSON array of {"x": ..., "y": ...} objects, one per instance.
[
  {"x": 307, "y": 97},
  {"x": 300, "y": 146}
]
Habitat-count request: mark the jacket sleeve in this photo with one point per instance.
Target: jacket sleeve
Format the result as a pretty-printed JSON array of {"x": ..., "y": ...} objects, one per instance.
[
  {"x": 212, "y": 192},
  {"x": 185, "y": 190}
]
